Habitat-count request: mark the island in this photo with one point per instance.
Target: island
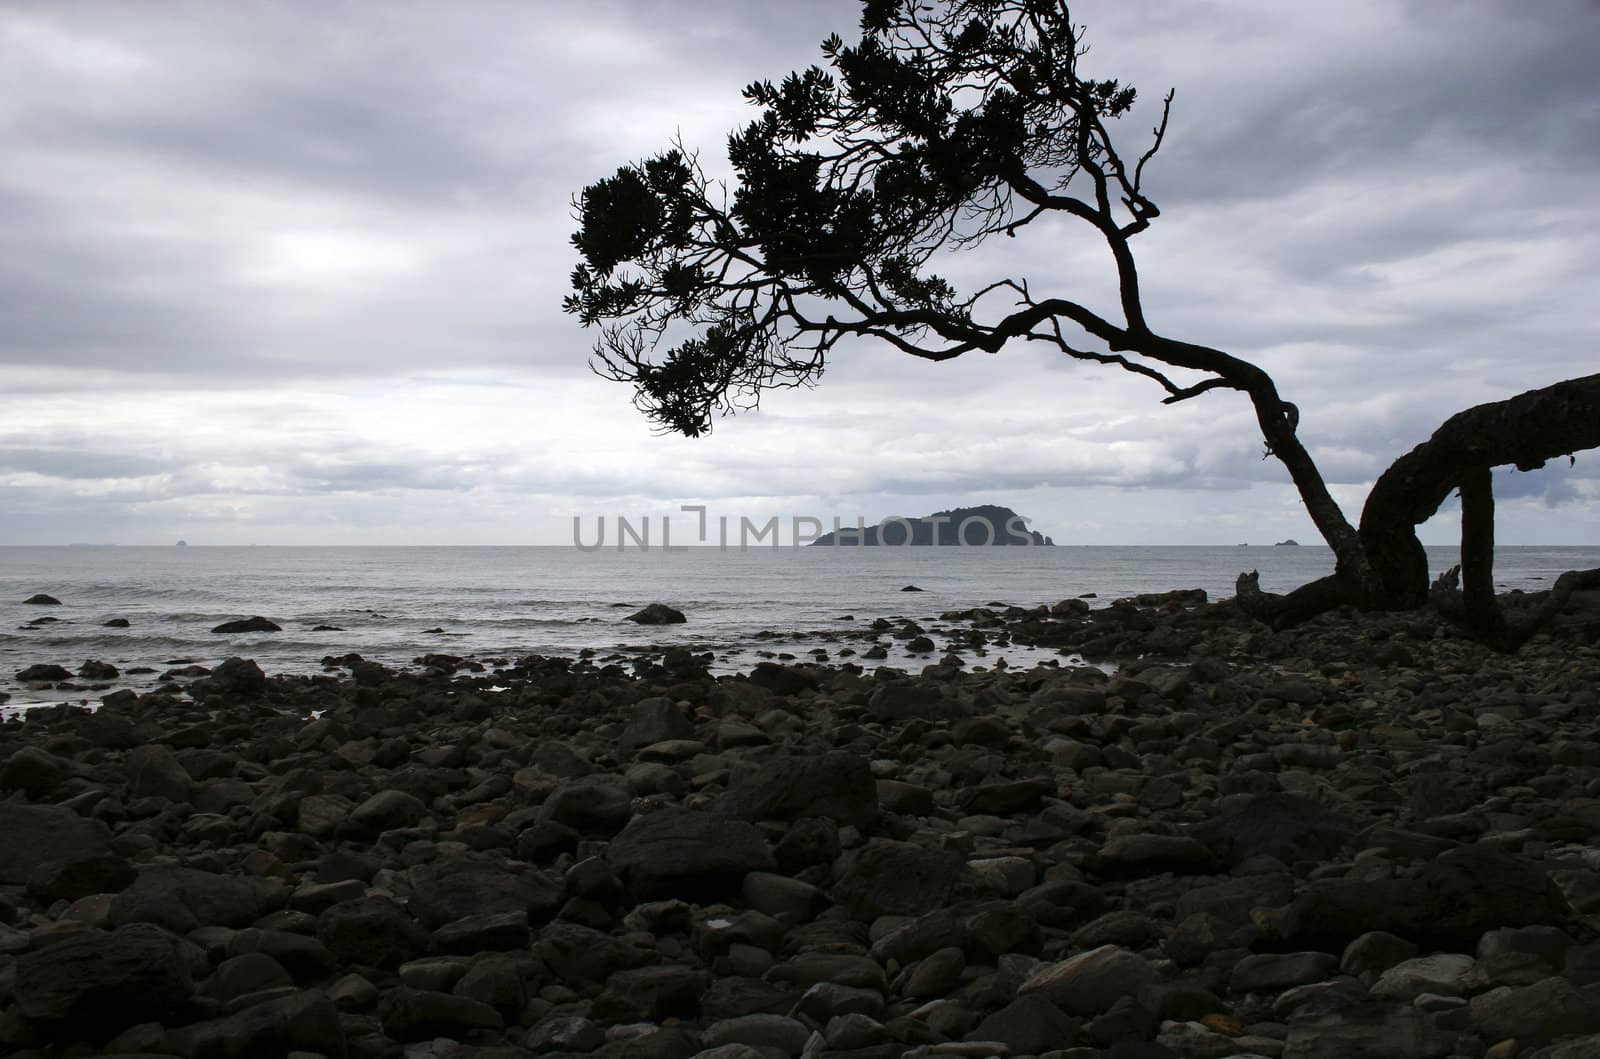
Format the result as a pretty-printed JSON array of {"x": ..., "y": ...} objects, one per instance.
[
  {"x": 985, "y": 525},
  {"x": 1290, "y": 543}
]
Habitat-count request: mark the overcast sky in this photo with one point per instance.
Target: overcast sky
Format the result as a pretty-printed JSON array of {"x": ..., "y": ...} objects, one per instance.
[{"x": 291, "y": 273}]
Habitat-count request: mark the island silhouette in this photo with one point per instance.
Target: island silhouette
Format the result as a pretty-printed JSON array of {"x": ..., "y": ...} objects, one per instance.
[{"x": 985, "y": 525}]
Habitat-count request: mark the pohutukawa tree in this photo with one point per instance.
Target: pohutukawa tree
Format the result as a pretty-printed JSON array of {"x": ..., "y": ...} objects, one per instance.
[{"x": 945, "y": 126}]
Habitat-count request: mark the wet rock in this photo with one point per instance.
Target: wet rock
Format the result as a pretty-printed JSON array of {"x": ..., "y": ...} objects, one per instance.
[
  {"x": 237, "y": 677},
  {"x": 837, "y": 785},
  {"x": 761, "y": 1030},
  {"x": 1375, "y": 952},
  {"x": 1004, "y": 799},
  {"x": 251, "y": 624},
  {"x": 581, "y": 955},
  {"x": 43, "y": 673},
  {"x": 1148, "y": 854},
  {"x": 95, "y": 670},
  {"x": 41, "y": 599},
  {"x": 657, "y": 614},
  {"x": 1444, "y": 974},
  {"x": 683, "y": 852},
  {"x": 96, "y": 983}
]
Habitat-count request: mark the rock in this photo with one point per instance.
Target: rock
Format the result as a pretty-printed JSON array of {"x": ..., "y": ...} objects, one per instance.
[
  {"x": 1535, "y": 1014},
  {"x": 483, "y": 932},
  {"x": 598, "y": 805},
  {"x": 654, "y": 720},
  {"x": 251, "y": 624},
  {"x": 1150, "y": 854},
  {"x": 1286, "y": 826},
  {"x": 657, "y": 614},
  {"x": 385, "y": 811},
  {"x": 35, "y": 835},
  {"x": 1275, "y": 972},
  {"x": 759, "y": 1030},
  {"x": 1448, "y": 904},
  {"x": 837, "y": 785},
  {"x": 43, "y": 673},
  {"x": 1007, "y": 798},
  {"x": 784, "y": 680},
  {"x": 35, "y": 772},
  {"x": 154, "y": 770},
  {"x": 182, "y": 899},
  {"x": 93, "y": 670},
  {"x": 116, "y": 623},
  {"x": 683, "y": 852},
  {"x": 1029, "y": 1025},
  {"x": 1445, "y": 974},
  {"x": 446, "y": 891},
  {"x": 301, "y": 1022},
  {"x": 650, "y": 994},
  {"x": 565, "y": 1033},
  {"x": 897, "y": 878},
  {"x": 97, "y": 983},
  {"x": 415, "y": 1014},
  {"x": 583, "y": 956},
  {"x": 68, "y": 880},
  {"x": 236, "y": 677},
  {"x": 249, "y": 972},
  {"x": 1375, "y": 952},
  {"x": 1090, "y": 982},
  {"x": 371, "y": 932},
  {"x": 1394, "y": 1031},
  {"x": 40, "y": 599},
  {"x": 496, "y": 981}
]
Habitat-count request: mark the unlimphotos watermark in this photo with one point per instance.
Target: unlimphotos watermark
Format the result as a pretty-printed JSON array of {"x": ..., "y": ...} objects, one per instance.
[{"x": 804, "y": 530}]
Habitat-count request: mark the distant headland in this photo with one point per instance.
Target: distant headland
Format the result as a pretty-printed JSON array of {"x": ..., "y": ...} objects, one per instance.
[{"x": 988, "y": 524}]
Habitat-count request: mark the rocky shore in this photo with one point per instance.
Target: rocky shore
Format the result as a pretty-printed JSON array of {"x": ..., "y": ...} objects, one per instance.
[{"x": 1363, "y": 837}]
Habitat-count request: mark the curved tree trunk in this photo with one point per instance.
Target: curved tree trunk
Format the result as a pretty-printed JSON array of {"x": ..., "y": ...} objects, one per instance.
[{"x": 1525, "y": 430}]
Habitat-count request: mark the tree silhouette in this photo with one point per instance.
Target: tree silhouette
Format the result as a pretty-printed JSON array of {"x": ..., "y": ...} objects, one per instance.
[{"x": 945, "y": 126}]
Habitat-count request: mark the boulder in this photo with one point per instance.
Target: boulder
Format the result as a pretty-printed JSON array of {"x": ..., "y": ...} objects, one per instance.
[
  {"x": 889, "y": 878},
  {"x": 838, "y": 785},
  {"x": 251, "y": 624},
  {"x": 297, "y": 1023},
  {"x": 371, "y": 932},
  {"x": 1286, "y": 826},
  {"x": 97, "y": 670},
  {"x": 96, "y": 983},
  {"x": 657, "y": 614},
  {"x": 182, "y": 899},
  {"x": 448, "y": 890},
  {"x": 654, "y": 720},
  {"x": 35, "y": 772},
  {"x": 676, "y": 852},
  {"x": 238, "y": 677},
  {"x": 154, "y": 770},
  {"x": 43, "y": 673},
  {"x": 35, "y": 835},
  {"x": 1090, "y": 982},
  {"x": 40, "y": 599}
]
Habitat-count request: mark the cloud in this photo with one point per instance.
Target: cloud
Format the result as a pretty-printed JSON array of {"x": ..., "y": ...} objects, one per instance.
[{"x": 319, "y": 299}]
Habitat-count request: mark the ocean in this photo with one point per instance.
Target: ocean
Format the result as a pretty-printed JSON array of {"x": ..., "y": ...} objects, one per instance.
[{"x": 394, "y": 604}]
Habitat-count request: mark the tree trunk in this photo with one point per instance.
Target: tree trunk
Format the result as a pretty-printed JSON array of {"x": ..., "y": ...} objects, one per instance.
[{"x": 1525, "y": 430}]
